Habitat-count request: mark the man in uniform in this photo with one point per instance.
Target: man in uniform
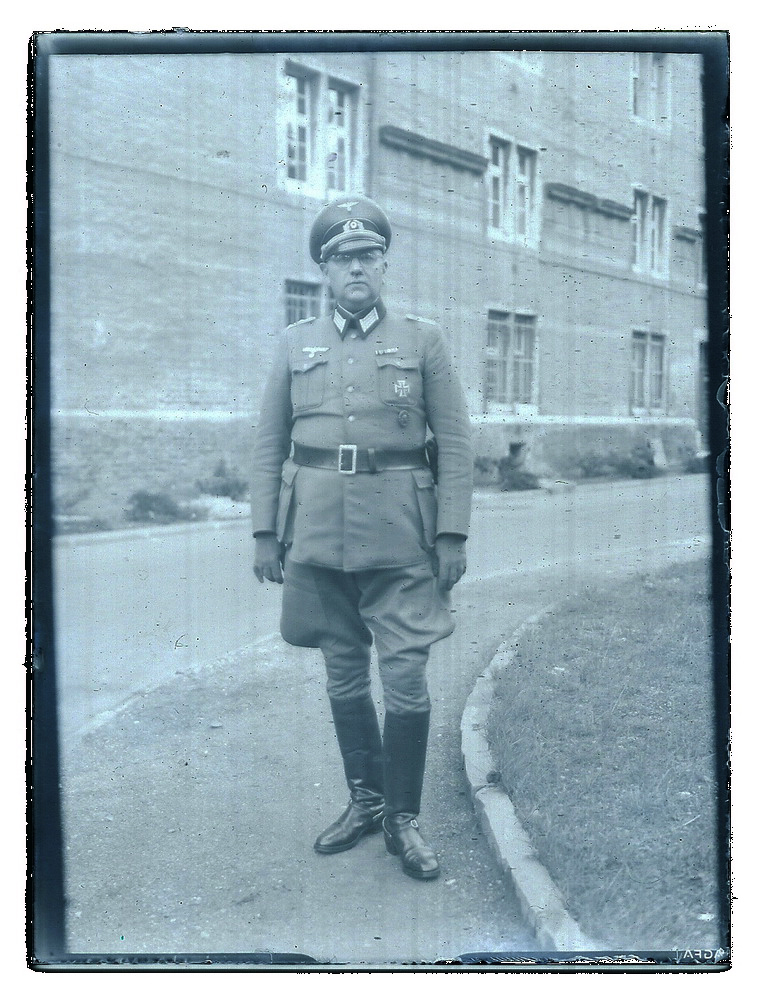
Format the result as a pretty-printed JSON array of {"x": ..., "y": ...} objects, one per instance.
[{"x": 344, "y": 501}]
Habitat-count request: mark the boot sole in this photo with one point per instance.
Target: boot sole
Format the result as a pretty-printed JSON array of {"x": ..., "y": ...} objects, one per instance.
[
  {"x": 421, "y": 876},
  {"x": 412, "y": 872},
  {"x": 377, "y": 828}
]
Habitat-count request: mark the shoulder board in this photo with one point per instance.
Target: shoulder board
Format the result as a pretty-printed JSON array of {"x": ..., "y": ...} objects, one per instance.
[
  {"x": 420, "y": 319},
  {"x": 308, "y": 319}
]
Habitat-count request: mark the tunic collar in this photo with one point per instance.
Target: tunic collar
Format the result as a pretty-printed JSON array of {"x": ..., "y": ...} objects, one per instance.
[{"x": 364, "y": 321}]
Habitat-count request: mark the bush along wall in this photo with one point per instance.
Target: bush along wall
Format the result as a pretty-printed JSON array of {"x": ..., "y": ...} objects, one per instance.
[
  {"x": 111, "y": 473},
  {"x": 524, "y": 457}
]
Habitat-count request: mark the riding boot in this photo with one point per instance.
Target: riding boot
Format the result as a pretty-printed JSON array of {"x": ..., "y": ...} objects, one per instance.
[
  {"x": 357, "y": 729},
  {"x": 405, "y": 750}
]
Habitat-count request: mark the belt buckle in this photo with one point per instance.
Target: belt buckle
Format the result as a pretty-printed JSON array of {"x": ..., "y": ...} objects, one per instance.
[{"x": 347, "y": 458}]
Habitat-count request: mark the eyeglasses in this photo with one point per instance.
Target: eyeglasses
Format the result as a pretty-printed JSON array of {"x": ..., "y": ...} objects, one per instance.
[{"x": 363, "y": 256}]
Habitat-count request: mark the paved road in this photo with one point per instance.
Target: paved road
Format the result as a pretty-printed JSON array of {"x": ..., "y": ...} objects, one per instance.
[
  {"x": 135, "y": 608},
  {"x": 199, "y": 760}
]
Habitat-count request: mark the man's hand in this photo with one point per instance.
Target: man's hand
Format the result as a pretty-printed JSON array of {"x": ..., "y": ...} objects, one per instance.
[
  {"x": 268, "y": 559},
  {"x": 450, "y": 559}
]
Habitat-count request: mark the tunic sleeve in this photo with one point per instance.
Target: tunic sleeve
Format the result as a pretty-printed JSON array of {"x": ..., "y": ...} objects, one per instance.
[
  {"x": 448, "y": 418},
  {"x": 272, "y": 442}
]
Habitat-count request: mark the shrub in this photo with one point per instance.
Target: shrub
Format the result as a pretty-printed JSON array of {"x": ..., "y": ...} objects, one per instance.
[
  {"x": 159, "y": 508},
  {"x": 486, "y": 471},
  {"x": 596, "y": 465},
  {"x": 224, "y": 482},
  {"x": 513, "y": 478},
  {"x": 639, "y": 463}
]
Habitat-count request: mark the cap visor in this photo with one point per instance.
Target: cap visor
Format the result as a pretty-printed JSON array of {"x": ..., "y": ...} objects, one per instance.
[{"x": 346, "y": 242}]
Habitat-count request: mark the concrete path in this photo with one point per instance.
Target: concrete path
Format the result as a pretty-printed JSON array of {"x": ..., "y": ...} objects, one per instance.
[{"x": 191, "y": 808}]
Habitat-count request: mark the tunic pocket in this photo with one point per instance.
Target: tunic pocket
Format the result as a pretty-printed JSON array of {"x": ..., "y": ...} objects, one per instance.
[
  {"x": 428, "y": 504},
  {"x": 399, "y": 380},
  {"x": 285, "y": 512},
  {"x": 303, "y": 619},
  {"x": 308, "y": 382}
]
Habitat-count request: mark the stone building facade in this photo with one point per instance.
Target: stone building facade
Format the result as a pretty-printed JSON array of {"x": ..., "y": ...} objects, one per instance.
[{"x": 548, "y": 209}]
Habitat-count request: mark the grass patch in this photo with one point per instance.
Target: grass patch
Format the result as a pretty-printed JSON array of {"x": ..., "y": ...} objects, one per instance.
[{"x": 603, "y": 730}]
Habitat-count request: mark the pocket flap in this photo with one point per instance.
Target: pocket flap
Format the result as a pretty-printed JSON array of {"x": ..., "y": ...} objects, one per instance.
[
  {"x": 423, "y": 479},
  {"x": 300, "y": 365},
  {"x": 389, "y": 359}
]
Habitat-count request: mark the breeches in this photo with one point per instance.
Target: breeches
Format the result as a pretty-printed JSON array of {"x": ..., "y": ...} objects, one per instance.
[{"x": 400, "y": 610}]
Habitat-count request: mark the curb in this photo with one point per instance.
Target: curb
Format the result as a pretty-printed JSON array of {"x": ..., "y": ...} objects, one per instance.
[
  {"x": 72, "y": 539},
  {"x": 541, "y": 902}
]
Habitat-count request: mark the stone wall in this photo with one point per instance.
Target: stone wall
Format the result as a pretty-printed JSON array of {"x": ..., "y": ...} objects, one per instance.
[{"x": 98, "y": 464}]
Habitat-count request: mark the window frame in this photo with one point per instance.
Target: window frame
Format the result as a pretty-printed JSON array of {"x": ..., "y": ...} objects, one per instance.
[
  {"x": 315, "y": 297},
  {"x": 513, "y": 365},
  {"x": 512, "y": 202},
  {"x": 644, "y": 400},
  {"x": 650, "y": 234},
  {"x": 349, "y": 134},
  {"x": 657, "y": 100},
  {"x": 497, "y": 173},
  {"x": 320, "y": 173},
  {"x": 288, "y": 117}
]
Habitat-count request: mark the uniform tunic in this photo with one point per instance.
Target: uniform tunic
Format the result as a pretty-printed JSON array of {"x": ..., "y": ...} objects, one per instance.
[
  {"x": 359, "y": 547},
  {"x": 376, "y": 381}
]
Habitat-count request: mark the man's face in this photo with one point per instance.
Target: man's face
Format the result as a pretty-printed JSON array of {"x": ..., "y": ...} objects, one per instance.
[{"x": 356, "y": 277}]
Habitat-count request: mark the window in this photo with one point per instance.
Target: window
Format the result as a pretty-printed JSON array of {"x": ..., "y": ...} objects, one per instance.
[
  {"x": 510, "y": 358},
  {"x": 526, "y": 165},
  {"x": 648, "y": 375},
  {"x": 512, "y": 184},
  {"x": 650, "y": 219},
  {"x": 319, "y": 126},
  {"x": 651, "y": 87},
  {"x": 497, "y": 183},
  {"x": 301, "y": 299},
  {"x": 339, "y": 132},
  {"x": 299, "y": 126}
]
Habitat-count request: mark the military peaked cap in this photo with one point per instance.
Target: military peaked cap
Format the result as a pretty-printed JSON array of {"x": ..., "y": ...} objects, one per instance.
[{"x": 349, "y": 224}]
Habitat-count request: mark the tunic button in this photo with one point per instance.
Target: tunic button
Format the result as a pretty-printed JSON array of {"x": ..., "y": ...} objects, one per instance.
[
  {"x": 403, "y": 418},
  {"x": 350, "y": 388},
  {"x": 353, "y": 336},
  {"x": 350, "y": 361},
  {"x": 351, "y": 417}
]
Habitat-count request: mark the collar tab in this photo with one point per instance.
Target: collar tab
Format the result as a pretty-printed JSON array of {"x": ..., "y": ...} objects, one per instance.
[{"x": 365, "y": 321}]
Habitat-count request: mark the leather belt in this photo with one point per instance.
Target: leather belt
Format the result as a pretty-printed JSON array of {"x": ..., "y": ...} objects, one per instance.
[{"x": 349, "y": 458}]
